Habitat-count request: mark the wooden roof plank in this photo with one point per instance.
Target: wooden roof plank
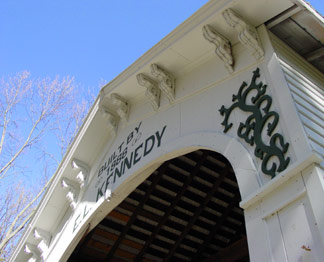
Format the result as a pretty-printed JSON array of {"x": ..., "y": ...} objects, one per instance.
[
  {"x": 197, "y": 213},
  {"x": 218, "y": 225},
  {"x": 166, "y": 215},
  {"x": 156, "y": 177}
]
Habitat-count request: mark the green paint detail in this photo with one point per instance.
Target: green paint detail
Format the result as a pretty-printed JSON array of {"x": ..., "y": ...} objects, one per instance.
[{"x": 251, "y": 131}]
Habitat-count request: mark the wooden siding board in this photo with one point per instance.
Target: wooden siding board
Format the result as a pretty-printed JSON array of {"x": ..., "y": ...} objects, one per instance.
[
  {"x": 309, "y": 100},
  {"x": 297, "y": 78},
  {"x": 306, "y": 85},
  {"x": 307, "y": 115},
  {"x": 315, "y": 132},
  {"x": 317, "y": 103}
]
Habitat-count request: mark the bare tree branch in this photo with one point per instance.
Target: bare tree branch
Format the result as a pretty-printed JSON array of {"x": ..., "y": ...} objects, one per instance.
[
  {"x": 14, "y": 228},
  {"x": 18, "y": 87},
  {"x": 32, "y": 112}
]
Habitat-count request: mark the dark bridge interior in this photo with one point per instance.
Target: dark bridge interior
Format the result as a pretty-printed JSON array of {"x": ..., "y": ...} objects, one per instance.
[{"x": 187, "y": 210}]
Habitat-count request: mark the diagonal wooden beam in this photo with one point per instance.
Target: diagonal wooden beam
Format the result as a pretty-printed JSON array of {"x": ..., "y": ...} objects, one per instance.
[
  {"x": 156, "y": 177},
  {"x": 197, "y": 213},
  {"x": 166, "y": 215},
  {"x": 219, "y": 223}
]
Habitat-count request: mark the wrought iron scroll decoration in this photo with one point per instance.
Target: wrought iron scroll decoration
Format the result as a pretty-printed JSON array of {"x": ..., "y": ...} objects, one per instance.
[{"x": 251, "y": 130}]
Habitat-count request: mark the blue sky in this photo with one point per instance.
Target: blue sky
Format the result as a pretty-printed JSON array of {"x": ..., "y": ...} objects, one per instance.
[
  {"x": 91, "y": 40},
  {"x": 318, "y": 5}
]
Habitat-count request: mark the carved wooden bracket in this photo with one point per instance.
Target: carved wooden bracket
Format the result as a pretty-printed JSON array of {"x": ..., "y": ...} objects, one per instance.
[
  {"x": 153, "y": 93},
  {"x": 45, "y": 238},
  {"x": 166, "y": 81},
  {"x": 109, "y": 195},
  {"x": 111, "y": 118},
  {"x": 32, "y": 249},
  {"x": 113, "y": 108},
  {"x": 121, "y": 106},
  {"x": 247, "y": 33},
  {"x": 223, "y": 46},
  {"x": 73, "y": 191},
  {"x": 83, "y": 173}
]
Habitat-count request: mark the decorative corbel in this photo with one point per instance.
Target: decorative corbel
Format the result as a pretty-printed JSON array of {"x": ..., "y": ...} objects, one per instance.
[
  {"x": 83, "y": 173},
  {"x": 223, "y": 46},
  {"x": 153, "y": 93},
  {"x": 45, "y": 238},
  {"x": 102, "y": 97},
  {"x": 247, "y": 33},
  {"x": 112, "y": 120},
  {"x": 166, "y": 81},
  {"x": 121, "y": 106},
  {"x": 32, "y": 249},
  {"x": 109, "y": 195},
  {"x": 73, "y": 192}
]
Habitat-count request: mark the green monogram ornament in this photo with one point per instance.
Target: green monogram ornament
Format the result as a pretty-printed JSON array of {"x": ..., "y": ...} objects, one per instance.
[{"x": 251, "y": 130}]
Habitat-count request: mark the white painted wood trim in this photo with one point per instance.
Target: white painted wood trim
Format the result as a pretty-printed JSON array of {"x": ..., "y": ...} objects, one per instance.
[{"x": 290, "y": 172}]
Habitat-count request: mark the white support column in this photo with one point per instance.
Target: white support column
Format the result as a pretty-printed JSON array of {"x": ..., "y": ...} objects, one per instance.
[{"x": 314, "y": 181}]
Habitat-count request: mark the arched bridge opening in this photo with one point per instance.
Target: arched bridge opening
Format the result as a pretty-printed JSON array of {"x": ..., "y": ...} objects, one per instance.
[{"x": 187, "y": 210}]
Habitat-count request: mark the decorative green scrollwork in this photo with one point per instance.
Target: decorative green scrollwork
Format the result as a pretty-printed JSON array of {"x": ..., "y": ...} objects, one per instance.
[{"x": 251, "y": 130}]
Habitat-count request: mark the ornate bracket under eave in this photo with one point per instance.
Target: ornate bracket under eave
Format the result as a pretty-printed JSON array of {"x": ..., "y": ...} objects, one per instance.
[
  {"x": 121, "y": 106},
  {"x": 113, "y": 108},
  {"x": 153, "y": 93},
  {"x": 247, "y": 33},
  {"x": 111, "y": 119},
  {"x": 83, "y": 173},
  {"x": 166, "y": 81},
  {"x": 73, "y": 191},
  {"x": 45, "y": 238},
  {"x": 223, "y": 46},
  {"x": 32, "y": 249}
]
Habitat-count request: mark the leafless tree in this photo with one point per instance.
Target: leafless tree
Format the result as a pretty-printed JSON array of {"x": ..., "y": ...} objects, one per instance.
[{"x": 32, "y": 113}]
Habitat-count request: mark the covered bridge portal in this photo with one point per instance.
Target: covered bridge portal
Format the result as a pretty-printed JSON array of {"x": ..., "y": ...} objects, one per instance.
[
  {"x": 142, "y": 180},
  {"x": 187, "y": 210}
]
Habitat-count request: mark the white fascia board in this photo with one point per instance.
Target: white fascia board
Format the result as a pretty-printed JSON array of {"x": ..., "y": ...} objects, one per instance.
[{"x": 310, "y": 9}]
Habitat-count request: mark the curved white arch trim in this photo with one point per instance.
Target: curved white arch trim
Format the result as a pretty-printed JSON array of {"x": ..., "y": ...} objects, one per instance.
[
  {"x": 245, "y": 171},
  {"x": 238, "y": 156}
]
